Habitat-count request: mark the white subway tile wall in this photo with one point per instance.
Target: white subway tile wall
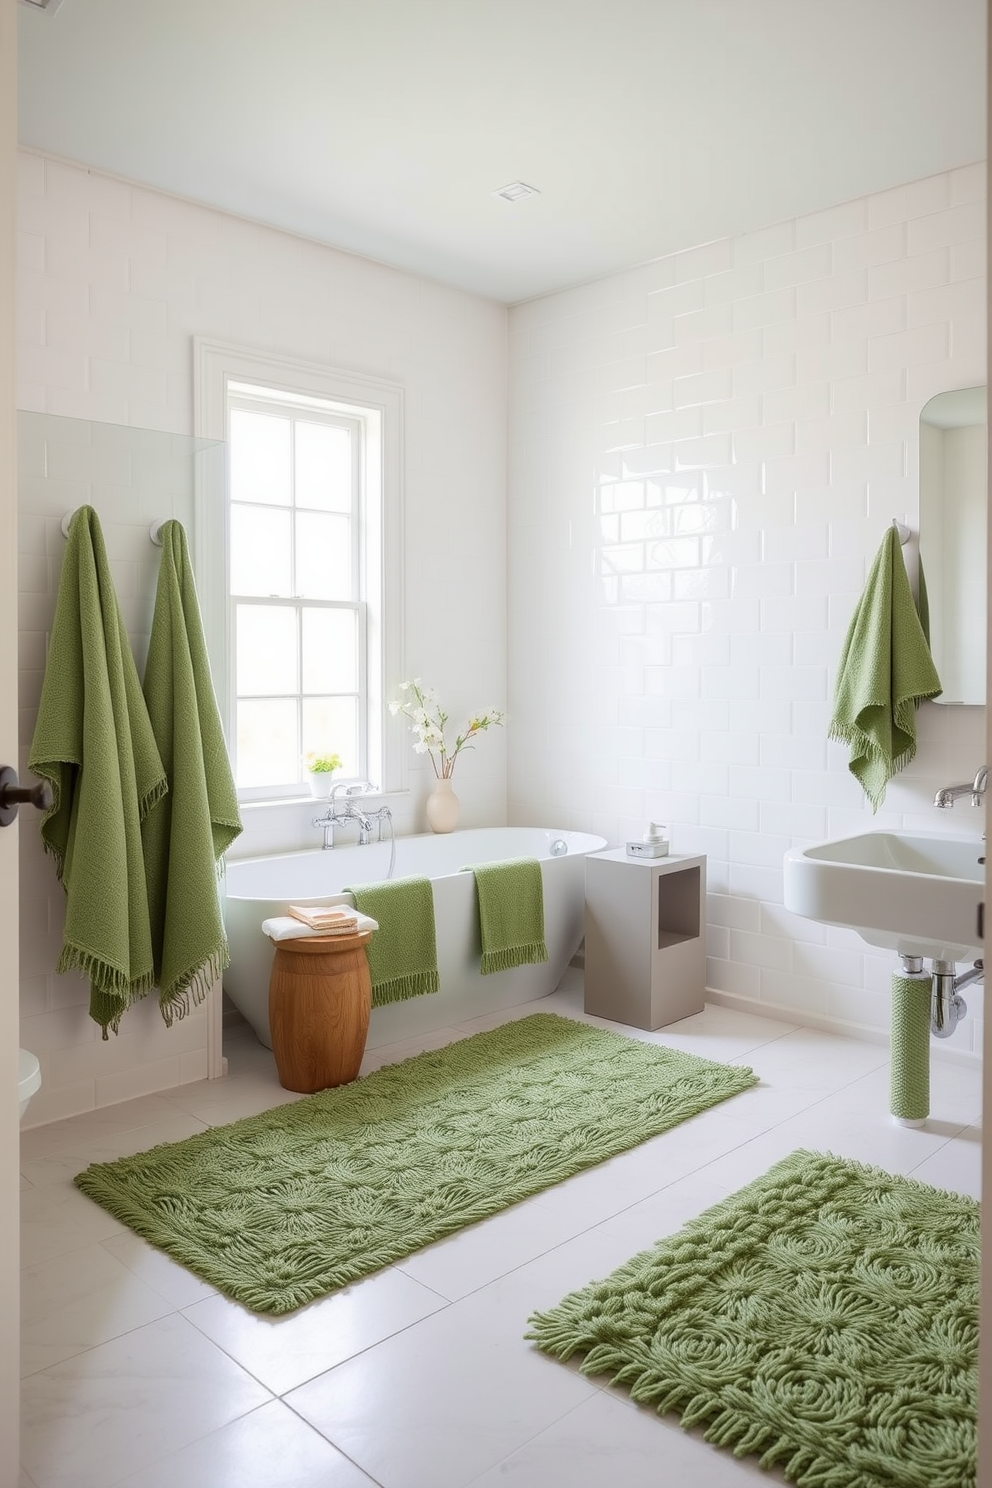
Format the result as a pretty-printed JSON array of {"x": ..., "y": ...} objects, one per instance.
[
  {"x": 704, "y": 454},
  {"x": 114, "y": 282}
]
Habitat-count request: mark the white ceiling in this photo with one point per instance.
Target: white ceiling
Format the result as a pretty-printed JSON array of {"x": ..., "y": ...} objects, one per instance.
[{"x": 384, "y": 126}]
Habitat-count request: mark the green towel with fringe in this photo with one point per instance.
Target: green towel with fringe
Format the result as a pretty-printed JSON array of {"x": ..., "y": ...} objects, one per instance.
[
  {"x": 511, "y": 913},
  {"x": 190, "y": 829},
  {"x": 93, "y": 741},
  {"x": 403, "y": 951},
  {"x": 885, "y": 671}
]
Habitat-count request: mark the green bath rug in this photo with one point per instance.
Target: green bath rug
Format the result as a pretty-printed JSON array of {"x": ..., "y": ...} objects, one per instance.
[
  {"x": 278, "y": 1209},
  {"x": 824, "y": 1318}
]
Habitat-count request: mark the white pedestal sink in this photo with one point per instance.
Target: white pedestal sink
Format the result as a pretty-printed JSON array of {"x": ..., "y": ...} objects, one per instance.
[{"x": 916, "y": 893}]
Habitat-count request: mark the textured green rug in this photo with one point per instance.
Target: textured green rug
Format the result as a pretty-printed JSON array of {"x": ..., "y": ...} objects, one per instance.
[
  {"x": 281, "y": 1208},
  {"x": 825, "y": 1317}
]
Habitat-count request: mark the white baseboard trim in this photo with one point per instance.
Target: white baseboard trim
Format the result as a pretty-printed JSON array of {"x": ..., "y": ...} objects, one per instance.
[{"x": 944, "y": 1051}]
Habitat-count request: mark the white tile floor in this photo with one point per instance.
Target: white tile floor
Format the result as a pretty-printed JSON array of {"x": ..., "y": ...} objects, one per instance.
[{"x": 138, "y": 1374}]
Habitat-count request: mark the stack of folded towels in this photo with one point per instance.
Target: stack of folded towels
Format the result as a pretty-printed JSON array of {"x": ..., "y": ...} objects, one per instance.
[
  {"x": 329, "y": 919},
  {"x": 317, "y": 919}
]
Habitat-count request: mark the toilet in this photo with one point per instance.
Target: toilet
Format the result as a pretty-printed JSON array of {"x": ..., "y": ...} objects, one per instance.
[{"x": 28, "y": 1077}]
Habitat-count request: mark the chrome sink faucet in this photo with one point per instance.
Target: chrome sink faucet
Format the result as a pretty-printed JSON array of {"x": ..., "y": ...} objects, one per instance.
[
  {"x": 948, "y": 794},
  {"x": 347, "y": 810}
]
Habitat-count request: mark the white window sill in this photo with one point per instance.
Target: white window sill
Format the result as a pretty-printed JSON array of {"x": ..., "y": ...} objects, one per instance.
[{"x": 275, "y": 803}]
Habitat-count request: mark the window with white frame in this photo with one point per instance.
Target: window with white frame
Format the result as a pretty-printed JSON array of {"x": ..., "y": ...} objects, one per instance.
[
  {"x": 298, "y": 618},
  {"x": 312, "y": 556}
]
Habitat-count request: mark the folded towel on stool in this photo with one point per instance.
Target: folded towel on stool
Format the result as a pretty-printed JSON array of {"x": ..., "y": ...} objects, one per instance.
[
  {"x": 285, "y": 927},
  {"x": 325, "y": 916}
]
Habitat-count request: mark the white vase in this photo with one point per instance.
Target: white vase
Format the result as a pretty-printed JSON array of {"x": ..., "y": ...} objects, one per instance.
[
  {"x": 443, "y": 809},
  {"x": 321, "y": 782}
]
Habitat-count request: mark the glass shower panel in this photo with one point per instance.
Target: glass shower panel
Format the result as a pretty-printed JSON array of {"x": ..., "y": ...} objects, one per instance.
[{"x": 132, "y": 478}]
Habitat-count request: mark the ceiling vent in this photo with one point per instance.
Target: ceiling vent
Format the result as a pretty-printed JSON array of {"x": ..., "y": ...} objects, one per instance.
[
  {"x": 49, "y": 6},
  {"x": 516, "y": 191}
]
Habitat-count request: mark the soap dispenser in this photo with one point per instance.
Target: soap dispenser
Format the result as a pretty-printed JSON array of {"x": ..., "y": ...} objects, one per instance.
[{"x": 654, "y": 843}]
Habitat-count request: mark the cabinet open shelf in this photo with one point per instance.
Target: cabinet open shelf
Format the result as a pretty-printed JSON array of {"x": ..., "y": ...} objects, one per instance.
[{"x": 645, "y": 952}]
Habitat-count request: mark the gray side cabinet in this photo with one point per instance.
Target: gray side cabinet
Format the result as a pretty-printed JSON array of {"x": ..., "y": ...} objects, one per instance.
[{"x": 645, "y": 926}]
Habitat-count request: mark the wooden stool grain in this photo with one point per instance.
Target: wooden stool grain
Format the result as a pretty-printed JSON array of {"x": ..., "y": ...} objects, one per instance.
[{"x": 320, "y": 997}]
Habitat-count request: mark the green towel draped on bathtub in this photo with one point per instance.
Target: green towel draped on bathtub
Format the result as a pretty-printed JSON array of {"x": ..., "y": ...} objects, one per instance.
[
  {"x": 511, "y": 913},
  {"x": 402, "y": 953}
]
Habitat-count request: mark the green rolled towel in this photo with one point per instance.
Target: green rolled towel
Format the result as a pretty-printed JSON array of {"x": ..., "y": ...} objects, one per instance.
[
  {"x": 885, "y": 671},
  {"x": 93, "y": 741},
  {"x": 186, "y": 834},
  {"x": 909, "y": 1088},
  {"x": 511, "y": 913},
  {"x": 402, "y": 953}
]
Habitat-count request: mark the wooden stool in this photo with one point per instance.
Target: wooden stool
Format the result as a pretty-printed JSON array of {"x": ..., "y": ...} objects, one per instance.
[{"x": 320, "y": 997}]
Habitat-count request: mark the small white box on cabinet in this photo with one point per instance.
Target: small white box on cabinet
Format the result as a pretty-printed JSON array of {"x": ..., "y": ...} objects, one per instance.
[{"x": 645, "y": 951}]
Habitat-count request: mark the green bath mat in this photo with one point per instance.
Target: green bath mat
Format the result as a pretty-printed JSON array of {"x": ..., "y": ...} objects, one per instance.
[
  {"x": 825, "y": 1317},
  {"x": 278, "y": 1209}
]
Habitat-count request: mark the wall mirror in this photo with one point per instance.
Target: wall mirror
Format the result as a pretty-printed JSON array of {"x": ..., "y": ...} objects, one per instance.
[{"x": 953, "y": 515}]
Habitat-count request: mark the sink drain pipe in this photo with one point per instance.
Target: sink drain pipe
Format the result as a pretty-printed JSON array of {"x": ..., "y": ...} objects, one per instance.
[
  {"x": 909, "y": 1090},
  {"x": 948, "y": 1006}
]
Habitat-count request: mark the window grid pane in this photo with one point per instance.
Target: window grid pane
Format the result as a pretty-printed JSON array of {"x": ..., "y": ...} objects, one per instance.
[
  {"x": 267, "y": 649},
  {"x": 324, "y": 567},
  {"x": 261, "y": 551},
  {"x": 260, "y": 457},
  {"x": 330, "y": 725},
  {"x": 329, "y": 651},
  {"x": 268, "y": 733},
  {"x": 323, "y": 467}
]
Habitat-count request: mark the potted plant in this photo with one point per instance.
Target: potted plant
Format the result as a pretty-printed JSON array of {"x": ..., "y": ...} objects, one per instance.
[{"x": 320, "y": 768}]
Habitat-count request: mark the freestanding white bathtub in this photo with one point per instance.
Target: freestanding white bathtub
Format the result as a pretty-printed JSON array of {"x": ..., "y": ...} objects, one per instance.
[{"x": 258, "y": 888}]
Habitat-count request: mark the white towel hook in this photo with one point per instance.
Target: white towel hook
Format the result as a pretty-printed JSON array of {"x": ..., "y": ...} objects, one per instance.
[{"x": 904, "y": 532}]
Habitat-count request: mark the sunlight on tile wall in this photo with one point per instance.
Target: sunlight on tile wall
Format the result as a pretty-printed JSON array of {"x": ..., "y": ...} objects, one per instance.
[{"x": 704, "y": 454}]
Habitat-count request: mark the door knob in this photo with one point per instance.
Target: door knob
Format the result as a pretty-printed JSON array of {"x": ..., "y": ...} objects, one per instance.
[{"x": 13, "y": 795}]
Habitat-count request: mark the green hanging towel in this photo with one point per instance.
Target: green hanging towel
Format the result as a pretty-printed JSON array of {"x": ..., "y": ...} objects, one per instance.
[
  {"x": 885, "y": 671},
  {"x": 94, "y": 742},
  {"x": 511, "y": 913},
  {"x": 190, "y": 829},
  {"x": 402, "y": 953}
]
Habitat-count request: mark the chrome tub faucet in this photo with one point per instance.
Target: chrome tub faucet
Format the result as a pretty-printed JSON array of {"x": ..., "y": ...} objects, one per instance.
[
  {"x": 948, "y": 794},
  {"x": 347, "y": 810}
]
